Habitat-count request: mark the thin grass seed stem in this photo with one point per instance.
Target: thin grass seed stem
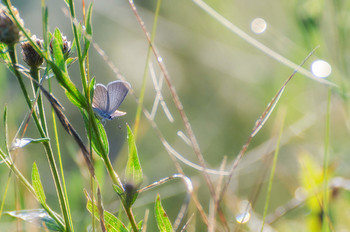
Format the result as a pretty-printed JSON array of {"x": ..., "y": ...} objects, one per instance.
[
  {"x": 259, "y": 123},
  {"x": 47, "y": 145},
  {"x": 145, "y": 73},
  {"x": 176, "y": 99}
]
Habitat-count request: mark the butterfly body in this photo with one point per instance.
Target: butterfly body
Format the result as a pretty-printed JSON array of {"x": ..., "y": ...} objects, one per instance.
[{"x": 107, "y": 100}]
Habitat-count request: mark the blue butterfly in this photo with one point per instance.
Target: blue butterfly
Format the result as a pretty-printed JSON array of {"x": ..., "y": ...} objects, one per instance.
[{"x": 107, "y": 100}]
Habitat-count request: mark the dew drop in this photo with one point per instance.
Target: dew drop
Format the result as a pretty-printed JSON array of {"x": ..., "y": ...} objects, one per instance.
[
  {"x": 244, "y": 215},
  {"x": 243, "y": 218},
  {"x": 258, "y": 25},
  {"x": 321, "y": 68},
  {"x": 160, "y": 59}
]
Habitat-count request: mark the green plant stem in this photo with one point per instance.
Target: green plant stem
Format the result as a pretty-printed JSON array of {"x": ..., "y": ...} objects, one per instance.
[
  {"x": 60, "y": 158},
  {"x": 145, "y": 72},
  {"x": 47, "y": 146},
  {"x": 77, "y": 42},
  {"x": 5, "y": 193},
  {"x": 114, "y": 176},
  {"x": 19, "y": 175},
  {"x": 325, "y": 219},
  {"x": 131, "y": 218},
  {"x": 272, "y": 174},
  {"x": 34, "y": 73}
]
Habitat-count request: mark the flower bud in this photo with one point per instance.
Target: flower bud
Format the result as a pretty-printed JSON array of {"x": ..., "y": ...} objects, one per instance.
[
  {"x": 66, "y": 46},
  {"x": 30, "y": 56},
  {"x": 9, "y": 32}
]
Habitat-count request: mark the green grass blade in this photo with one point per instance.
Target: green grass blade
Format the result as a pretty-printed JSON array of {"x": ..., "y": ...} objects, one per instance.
[
  {"x": 163, "y": 221},
  {"x": 54, "y": 124},
  {"x": 274, "y": 164},
  {"x": 45, "y": 21},
  {"x": 88, "y": 26},
  {"x": 38, "y": 187}
]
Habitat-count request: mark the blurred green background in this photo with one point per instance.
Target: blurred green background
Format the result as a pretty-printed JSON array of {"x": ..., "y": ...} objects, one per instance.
[{"x": 224, "y": 84}]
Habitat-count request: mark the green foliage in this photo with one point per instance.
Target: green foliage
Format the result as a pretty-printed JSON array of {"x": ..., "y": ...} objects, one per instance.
[
  {"x": 163, "y": 221},
  {"x": 58, "y": 56},
  {"x": 133, "y": 171},
  {"x": 88, "y": 30},
  {"x": 222, "y": 85},
  {"x": 102, "y": 136},
  {"x": 38, "y": 187},
  {"x": 113, "y": 224},
  {"x": 133, "y": 174}
]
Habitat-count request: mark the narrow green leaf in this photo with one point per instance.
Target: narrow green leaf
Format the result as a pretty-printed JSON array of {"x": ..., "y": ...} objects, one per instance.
[
  {"x": 4, "y": 55},
  {"x": 94, "y": 138},
  {"x": 73, "y": 99},
  {"x": 163, "y": 221},
  {"x": 57, "y": 51},
  {"x": 37, "y": 216},
  {"x": 70, "y": 61},
  {"x": 133, "y": 170},
  {"x": 91, "y": 88},
  {"x": 45, "y": 19},
  {"x": 72, "y": 92},
  {"x": 38, "y": 188},
  {"x": 140, "y": 224},
  {"x": 88, "y": 30},
  {"x": 118, "y": 190},
  {"x": 113, "y": 224}
]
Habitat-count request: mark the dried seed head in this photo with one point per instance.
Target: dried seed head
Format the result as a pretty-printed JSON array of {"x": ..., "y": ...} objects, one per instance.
[
  {"x": 66, "y": 46},
  {"x": 30, "y": 56},
  {"x": 9, "y": 32}
]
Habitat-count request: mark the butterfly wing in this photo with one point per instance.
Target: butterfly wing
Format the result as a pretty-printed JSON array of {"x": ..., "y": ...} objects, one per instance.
[
  {"x": 117, "y": 113},
  {"x": 117, "y": 91},
  {"x": 100, "y": 101}
]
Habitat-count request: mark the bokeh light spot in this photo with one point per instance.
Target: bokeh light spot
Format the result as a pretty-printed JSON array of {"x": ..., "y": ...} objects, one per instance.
[
  {"x": 321, "y": 68},
  {"x": 258, "y": 25}
]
